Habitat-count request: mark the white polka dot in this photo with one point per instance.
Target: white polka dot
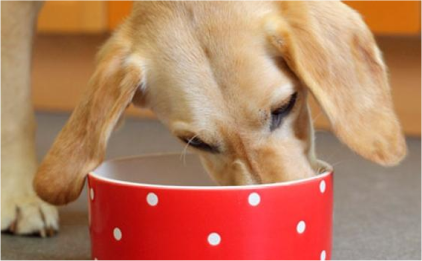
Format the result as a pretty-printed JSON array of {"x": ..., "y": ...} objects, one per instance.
[
  {"x": 322, "y": 186},
  {"x": 323, "y": 255},
  {"x": 254, "y": 199},
  {"x": 117, "y": 234},
  {"x": 91, "y": 193},
  {"x": 301, "y": 226},
  {"x": 152, "y": 199},
  {"x": 214, "y": 239}
]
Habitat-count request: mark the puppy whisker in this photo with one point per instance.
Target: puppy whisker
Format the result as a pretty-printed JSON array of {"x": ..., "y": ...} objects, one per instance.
[
  {"x": 183, "y": 154},
  {"x": 340, "y": 162}
]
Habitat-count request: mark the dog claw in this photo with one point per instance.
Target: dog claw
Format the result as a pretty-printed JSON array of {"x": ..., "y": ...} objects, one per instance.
[
  {"x": 13, "y": 227},
  {"x": 43, "y": 233},
  {"x": 31, "y": 217},
  {"x": 50, "y": 232}
]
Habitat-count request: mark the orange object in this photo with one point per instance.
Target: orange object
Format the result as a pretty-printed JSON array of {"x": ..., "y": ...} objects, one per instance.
[
  {"x": 73, "y": 17},
  {"x": 383, "y": 17},
  {"x": 390, "y": 17},
  {"x": 117, "y": 11}
]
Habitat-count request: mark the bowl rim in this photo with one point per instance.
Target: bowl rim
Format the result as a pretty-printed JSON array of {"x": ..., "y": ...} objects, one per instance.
[{"x": 95, "y": 175}]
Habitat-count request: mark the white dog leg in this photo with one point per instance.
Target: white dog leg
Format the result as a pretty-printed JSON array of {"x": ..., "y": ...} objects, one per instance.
[{"x": 22, "y": 212}]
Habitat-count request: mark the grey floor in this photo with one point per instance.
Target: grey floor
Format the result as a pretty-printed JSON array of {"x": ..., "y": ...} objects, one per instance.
[{"x": 377, "y": 211}]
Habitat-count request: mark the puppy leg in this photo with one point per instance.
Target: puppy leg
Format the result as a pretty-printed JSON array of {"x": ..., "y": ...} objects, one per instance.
[{"x": 22, "y": 211}]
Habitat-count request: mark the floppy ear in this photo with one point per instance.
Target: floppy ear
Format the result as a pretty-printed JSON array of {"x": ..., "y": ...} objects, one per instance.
[
  {"x": 80, "y": 146},
  {"x": 333, "y": 53}
]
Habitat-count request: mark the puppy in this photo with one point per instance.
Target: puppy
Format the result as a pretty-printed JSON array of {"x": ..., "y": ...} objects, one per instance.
[{"x": 231, "y": 80}]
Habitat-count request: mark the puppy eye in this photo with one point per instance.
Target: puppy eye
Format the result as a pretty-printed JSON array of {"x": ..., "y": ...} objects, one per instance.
[
  {"x": 278, "y": 114},
  {"x": 199, "y": 144}
]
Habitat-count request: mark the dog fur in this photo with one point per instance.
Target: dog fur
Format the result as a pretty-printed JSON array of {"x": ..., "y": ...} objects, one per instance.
[
  {"x": 22, "y": 212},
  {"x": 216, "y": 71}
]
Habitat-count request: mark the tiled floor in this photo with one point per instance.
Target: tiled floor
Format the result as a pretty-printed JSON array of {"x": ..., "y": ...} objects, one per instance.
[{"x": 377, "y": 212}]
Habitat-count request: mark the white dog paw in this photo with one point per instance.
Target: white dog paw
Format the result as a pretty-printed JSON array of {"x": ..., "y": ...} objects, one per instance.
[{"x": 29, "y": 216}]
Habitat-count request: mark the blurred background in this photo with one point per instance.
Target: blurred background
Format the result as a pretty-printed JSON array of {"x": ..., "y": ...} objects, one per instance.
[
  {"x": 70, "y": 33},
  {"x": 377, "y": 211}
]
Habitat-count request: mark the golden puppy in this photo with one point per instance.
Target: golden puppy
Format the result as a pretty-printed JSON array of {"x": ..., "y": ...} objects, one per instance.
[{"x": 231, "y": 79}]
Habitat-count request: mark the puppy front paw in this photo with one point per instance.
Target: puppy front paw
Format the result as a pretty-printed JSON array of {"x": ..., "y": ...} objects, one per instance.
[{"x": 28, "y": 216}]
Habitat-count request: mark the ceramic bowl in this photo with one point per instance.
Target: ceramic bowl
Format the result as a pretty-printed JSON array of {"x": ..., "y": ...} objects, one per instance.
[{"x": 165, "y": 207}]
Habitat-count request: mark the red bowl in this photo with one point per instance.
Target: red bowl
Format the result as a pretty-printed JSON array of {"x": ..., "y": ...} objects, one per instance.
[{"x": 163, "y": 207}]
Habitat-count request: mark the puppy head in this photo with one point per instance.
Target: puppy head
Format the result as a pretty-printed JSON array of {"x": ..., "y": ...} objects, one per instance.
[
  {"x": 247, "y": 118},
  {"x": 231, "y": 82}
]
